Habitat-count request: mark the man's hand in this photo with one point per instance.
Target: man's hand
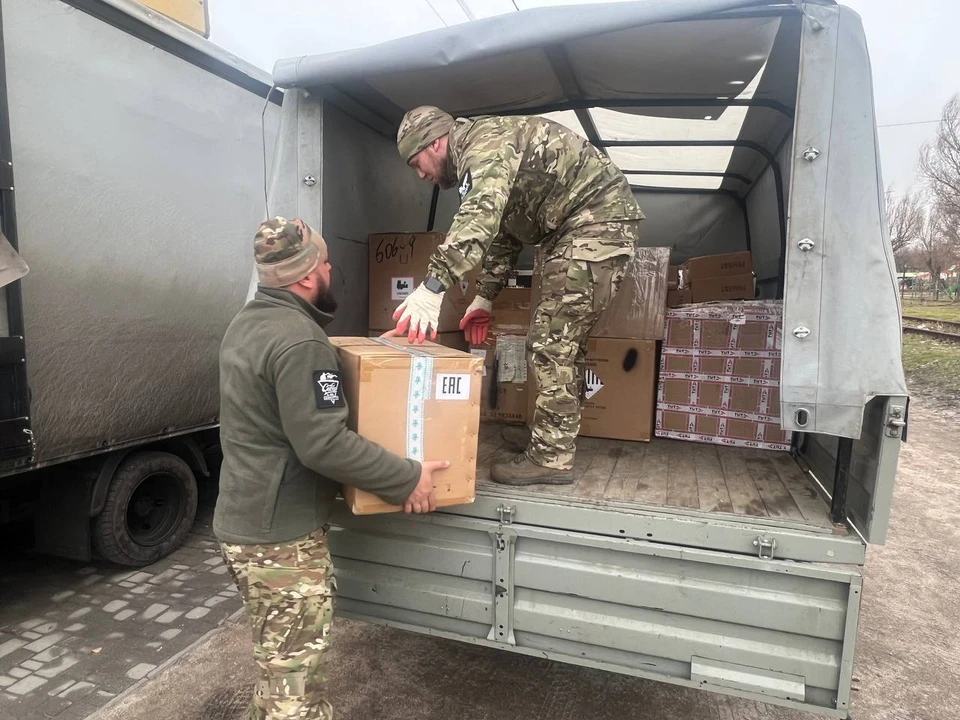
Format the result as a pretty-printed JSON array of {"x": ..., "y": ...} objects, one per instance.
[
  {"x": 423, "y": 499},
  {"x": 476, "y": 321},
  {"x": 394, "y": 333},
  {"x": 419, "y": 314}
]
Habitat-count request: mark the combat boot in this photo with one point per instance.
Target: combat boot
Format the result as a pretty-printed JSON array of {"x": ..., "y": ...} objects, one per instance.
[
  {"x": 517, "y": 436},
  {"x": 523, "y": 471}
]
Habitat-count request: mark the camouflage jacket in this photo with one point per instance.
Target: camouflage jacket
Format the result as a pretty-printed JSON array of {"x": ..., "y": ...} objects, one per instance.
[{"x": 526, "y": 180}]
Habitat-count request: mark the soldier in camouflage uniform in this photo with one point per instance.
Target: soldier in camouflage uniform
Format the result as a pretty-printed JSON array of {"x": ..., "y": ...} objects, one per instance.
[
  {"x": 526, "y": 180},
  {"x": 286, "y": 450}
]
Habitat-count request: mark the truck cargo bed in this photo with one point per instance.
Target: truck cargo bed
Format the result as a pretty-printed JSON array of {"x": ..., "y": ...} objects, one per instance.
[{"x": 675, "y": 475}]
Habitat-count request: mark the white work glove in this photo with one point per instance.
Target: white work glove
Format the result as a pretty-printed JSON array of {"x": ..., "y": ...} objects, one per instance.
[
  {"x": 419, "y": 314},
  {"x": 476, "y": 321}
]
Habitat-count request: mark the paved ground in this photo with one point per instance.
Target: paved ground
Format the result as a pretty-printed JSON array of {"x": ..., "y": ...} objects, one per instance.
[
  {"x": 75, "y": 635},
  {"x": 907, "y": 668}
]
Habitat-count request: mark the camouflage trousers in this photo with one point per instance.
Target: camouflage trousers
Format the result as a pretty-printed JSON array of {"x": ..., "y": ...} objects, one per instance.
[
  {"x": 288, "y": 594},
  {"x": 574, "y": 291}
]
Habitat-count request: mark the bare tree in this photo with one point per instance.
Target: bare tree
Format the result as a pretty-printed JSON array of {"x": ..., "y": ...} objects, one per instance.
[
  {"x": 936, "y": 247},
  {"x": 940, "y": 163},
  {"x": 905, "y": 219}
]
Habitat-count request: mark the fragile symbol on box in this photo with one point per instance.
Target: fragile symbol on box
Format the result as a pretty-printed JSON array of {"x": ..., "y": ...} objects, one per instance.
[
  {"x": 453, "y": 386},
  {"x": 594, "y": 384},
  {"x": 400, "y": 287}
]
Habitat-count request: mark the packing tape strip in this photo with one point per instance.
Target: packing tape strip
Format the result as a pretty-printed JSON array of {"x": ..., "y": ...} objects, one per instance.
[{"x": 418, "y": 391}]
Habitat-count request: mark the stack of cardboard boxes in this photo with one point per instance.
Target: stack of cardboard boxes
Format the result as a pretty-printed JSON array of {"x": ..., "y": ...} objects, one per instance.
[
  {"x": 620, "y": 373},
  {"x": 720, "y": 375}
]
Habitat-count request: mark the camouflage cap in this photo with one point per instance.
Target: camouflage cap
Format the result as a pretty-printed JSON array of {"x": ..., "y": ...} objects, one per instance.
[
  {"x": 420, "y": 127},
  {"x": 286, "y": 253}
]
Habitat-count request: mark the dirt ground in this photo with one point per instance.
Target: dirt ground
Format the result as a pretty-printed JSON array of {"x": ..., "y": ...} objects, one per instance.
[{"x": 907, "y": 666}]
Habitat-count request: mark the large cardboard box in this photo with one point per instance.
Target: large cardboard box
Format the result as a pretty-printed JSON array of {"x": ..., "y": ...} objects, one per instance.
[
  {"x": 418, "y": 401},
  {"x": 720, "y": 375},
  {"x": 732, "y": 287},
  {"x": 766, "y": 435},
  {"x": 454, "y": 340},
  {"x": 397, "y": 265},
  {"x": 637, "y": 310},
  {"x": 512, "y": 309},
  {"x": 714, "y": 266},
  {"x": 505, "y": 378},
  {"x": 505, "y": 368},
  {"x": 619, "y": 381}
]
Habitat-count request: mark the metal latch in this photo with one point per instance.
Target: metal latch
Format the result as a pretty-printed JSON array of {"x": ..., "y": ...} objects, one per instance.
[
  {"x": 506, "y": 513},
  {"x": 765, "y": 547},
  {"x": 895, "y": 421}
]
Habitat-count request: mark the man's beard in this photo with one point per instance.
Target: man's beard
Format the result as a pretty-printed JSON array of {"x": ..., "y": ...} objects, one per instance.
[
  {"x": 326, "y": 301},
  {"x": 448, "y": 174}
]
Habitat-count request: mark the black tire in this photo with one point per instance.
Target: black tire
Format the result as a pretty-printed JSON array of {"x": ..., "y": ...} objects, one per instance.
[{"x": 150, "y": 507}]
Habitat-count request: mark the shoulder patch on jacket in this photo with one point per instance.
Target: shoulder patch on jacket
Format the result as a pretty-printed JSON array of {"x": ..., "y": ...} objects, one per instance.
[
  {"x": 466, "y": 184},
  {"x": 328, "y": 389}
]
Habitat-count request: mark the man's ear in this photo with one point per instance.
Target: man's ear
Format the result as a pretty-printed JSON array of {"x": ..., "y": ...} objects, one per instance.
[{"x": 308, "y": 282}]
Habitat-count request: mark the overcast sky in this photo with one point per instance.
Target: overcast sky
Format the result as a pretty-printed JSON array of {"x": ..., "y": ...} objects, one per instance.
[{"x": 913, "y": 46}]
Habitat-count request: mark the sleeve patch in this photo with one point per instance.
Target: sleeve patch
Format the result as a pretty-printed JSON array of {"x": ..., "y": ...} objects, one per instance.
[
  {"x": 328, "y": 389},
  {"x": 466, "y": 184}
]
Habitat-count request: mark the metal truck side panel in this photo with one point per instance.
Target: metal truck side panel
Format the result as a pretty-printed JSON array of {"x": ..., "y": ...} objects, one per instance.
[{"x": 770, "y": 630}]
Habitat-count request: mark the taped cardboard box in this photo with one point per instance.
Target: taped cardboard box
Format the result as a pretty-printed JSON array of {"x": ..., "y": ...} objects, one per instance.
[
  {"x": 734, "y": 287},
  {"x": 512, "y": 309},
  {"x": 735, "y": 432},
  {"x": 419, "y": 401},
  {"x": 619, "y": 392},
  {"x": 397, "y": 265},
  {"x": 715, "y": 266},
  {"x": 720, "y": 398},
  {"x": 676, "y": 298},
  {"x": 454, "y": 340},
  {"x": 637, "y": 310},
  {"x": 754, "y": 327},
  {"x": 504, "y": 395},
  {"x": 747, "y": 370}
]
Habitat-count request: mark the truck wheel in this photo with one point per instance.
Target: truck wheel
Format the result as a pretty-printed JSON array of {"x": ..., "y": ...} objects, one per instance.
[{"x": 149, "y": 509}]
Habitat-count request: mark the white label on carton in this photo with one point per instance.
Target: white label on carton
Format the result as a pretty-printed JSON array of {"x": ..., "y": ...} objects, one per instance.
[
  {"x": 400, "y": 287},
  {"x": 452, "y": 386}
]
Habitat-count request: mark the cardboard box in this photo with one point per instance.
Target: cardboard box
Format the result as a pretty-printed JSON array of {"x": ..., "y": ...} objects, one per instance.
[
  {"x": 505, "y": 380},
  {"x": 676, "y": 298},
  {"x": 722, "y": 430},
  {"x": 715, "y": 266},
  {"x": 746, "y": 370},
  {"x": 725, "y": 329},
  {"x": 384, "y": 381},
  {"x": 454, "y": 340},
  {"x": 720, "y": 398},
  {"x": 733, "y": 287},
  {"x": 397, "y": 265},
  {"x": 720, "y": 375},
  {"x": 637, "y": 310},
  {"x": 619, "y": 389},
  {"x": 512, "y": 309}
]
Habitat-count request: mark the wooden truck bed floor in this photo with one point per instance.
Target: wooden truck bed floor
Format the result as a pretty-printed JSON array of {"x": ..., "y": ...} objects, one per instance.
[{"x": 675, "y": 475}]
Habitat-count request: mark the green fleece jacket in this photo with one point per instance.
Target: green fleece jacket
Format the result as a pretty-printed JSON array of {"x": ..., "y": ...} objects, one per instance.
[{"x": 283, "y": 427}]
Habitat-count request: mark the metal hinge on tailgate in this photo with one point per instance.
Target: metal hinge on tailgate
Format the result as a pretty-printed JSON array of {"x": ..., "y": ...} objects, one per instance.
[
  {"x": 765, "y": 547},
  {"x": 896, "y": 421},
  {"x": 506, "y": 513}
]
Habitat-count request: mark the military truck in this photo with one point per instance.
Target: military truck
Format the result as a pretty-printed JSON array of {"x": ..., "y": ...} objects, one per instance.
[
  {"x": 132, "y": 156},
  {"x": 742, "y": 125}
]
